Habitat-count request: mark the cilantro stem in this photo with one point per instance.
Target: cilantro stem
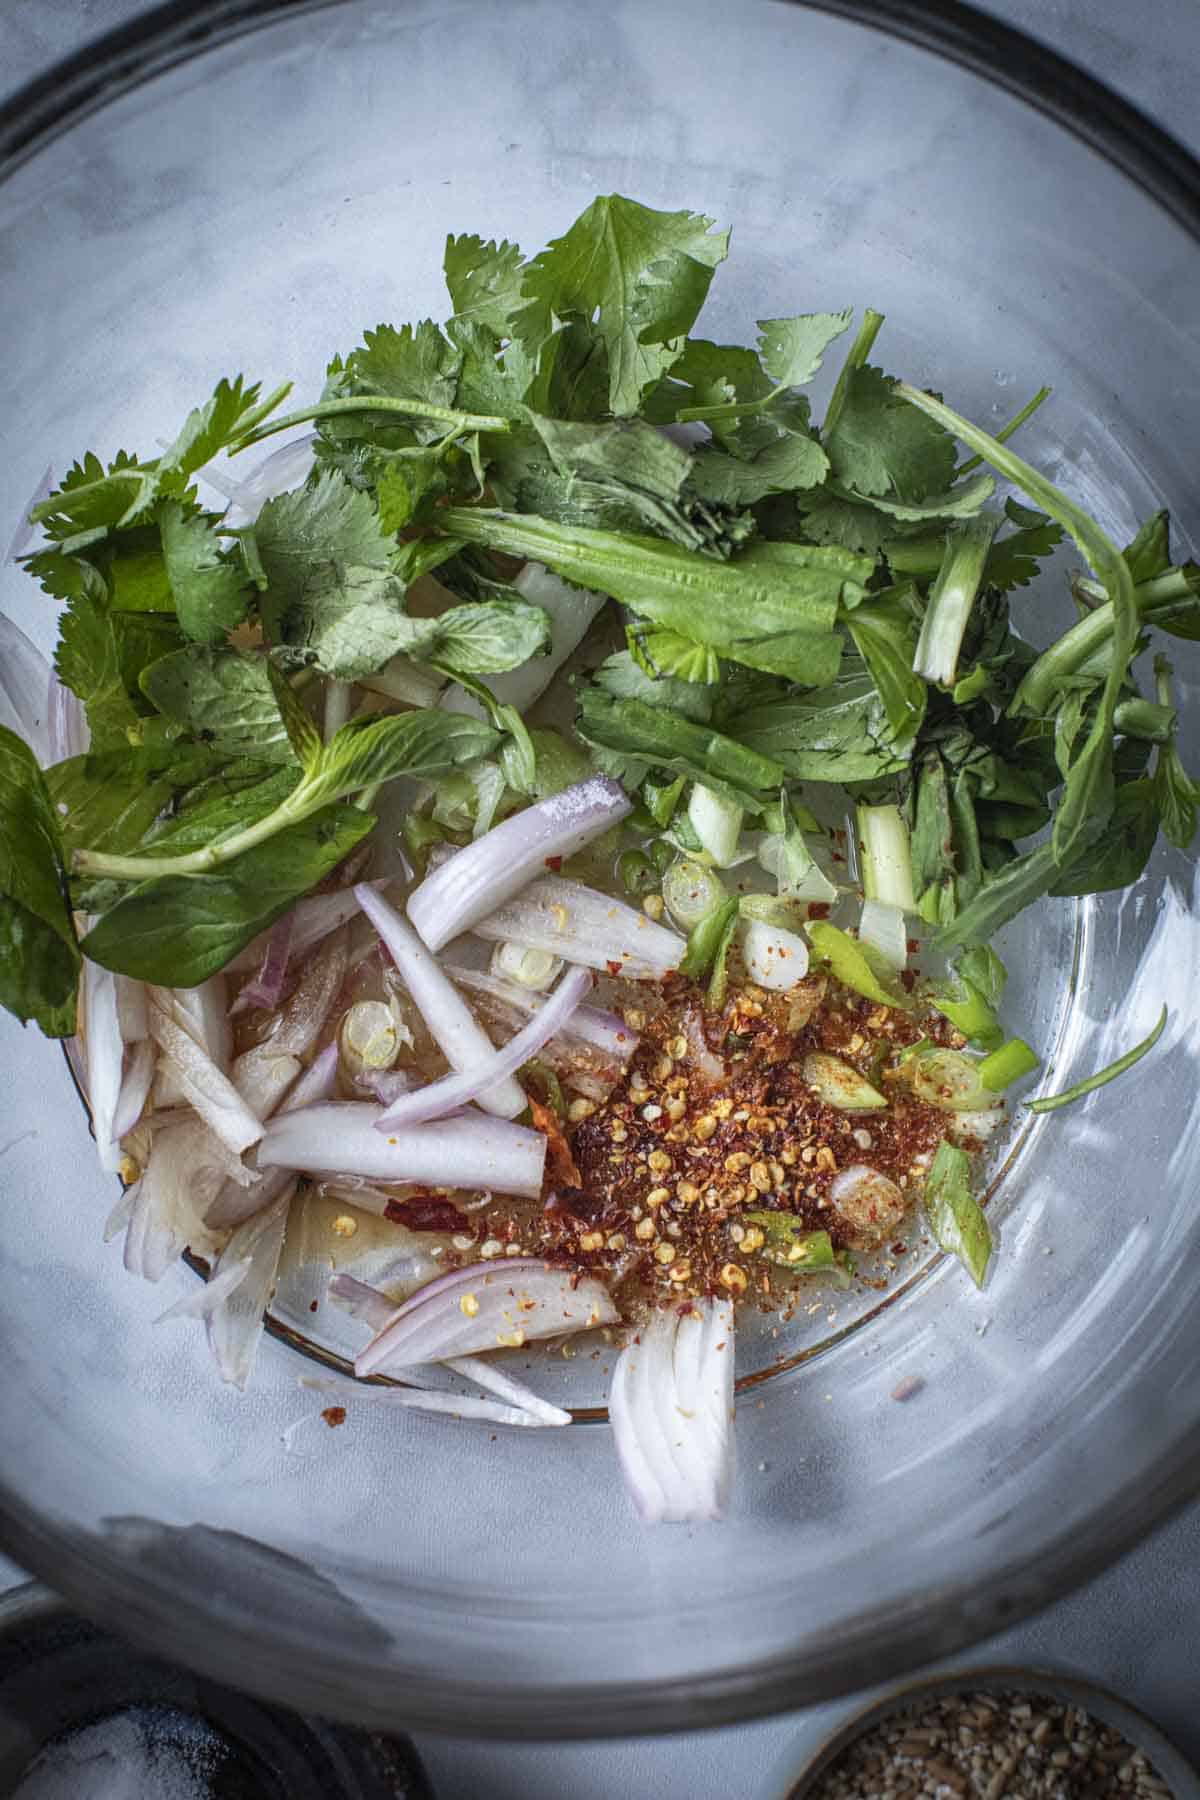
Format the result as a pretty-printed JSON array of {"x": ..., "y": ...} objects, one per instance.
[
  {"x": 1052, "y": 1102},
  {"x": 856, "y": 356},
  {"x": 952, "y": 597},
  {"x": 1087, "y": 637},
  {"x": 458, "y": 422},
  {"x": 1006, "y": 431},
  {"x": 1087, "y": 797}
]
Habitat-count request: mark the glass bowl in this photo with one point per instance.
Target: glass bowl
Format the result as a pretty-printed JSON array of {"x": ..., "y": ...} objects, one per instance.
[{"x": 248, "y": 186}]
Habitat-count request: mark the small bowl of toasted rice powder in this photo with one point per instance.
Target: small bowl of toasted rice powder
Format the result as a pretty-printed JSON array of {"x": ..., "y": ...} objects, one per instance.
[{"x": 997, "y": 1734}]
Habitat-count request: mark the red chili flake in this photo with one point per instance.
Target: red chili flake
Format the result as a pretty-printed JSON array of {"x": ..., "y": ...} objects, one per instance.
[
  {"x": 835, "y": 856},
  {"x": 426, "y": 1212},
  {"x": 899, "y": 1249},
  {"x": 554, "y": 863},
  {"x": 614, "y": 968},
  {"x": 312, "y": 1305},
  {"x": 913, "y": 945},
  {"x": 908, "y": 980},
  {"x": 818, "y": 909},
  {"x": 334, "y": 1415},
  {"x": 908, "y": 1388}
]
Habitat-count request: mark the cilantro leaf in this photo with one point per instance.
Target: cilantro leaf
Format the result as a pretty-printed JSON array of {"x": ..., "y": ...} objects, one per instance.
[
  {"x": 876, "y": 448},
  {"x": 484, "y": 280},
  {"x": 1176, "y": 795},
  {"x": 791, "y": 349},
  {"x": 88, "y": 661},
  {"x": 853, "y": 524},
  {"x": 1013, "y": 559},
  {"x": 641, "y": 275},
  {"x": 490, "y": 380},
  {"x": 836, "y": 733},
  {"x": 209, "y": 587},
  {"x": 39, "y": 960},
  {"x": 484, "y": 638},
  {"x": 223, "y": 697},
  {"x": 414, "y": 363},
  {"x": 331, "y": 594},
  {"x": 786, "y": 464}
]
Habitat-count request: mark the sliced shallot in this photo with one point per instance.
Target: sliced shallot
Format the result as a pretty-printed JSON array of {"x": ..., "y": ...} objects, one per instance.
[
  {"x": 508, "y": 1306},
  {"x": 470, "y": 886},
  {"x": 671, "y": 1406},
  {"x": 435, "y": 1400},
  {"x": 210, "y": 1092},
  {"x": 312, "y": 919},
  {"x": 583, "y": 926},
  {"x": 235, "y": 1202},
  {"x": 135, "y": 1088},
  {"x": 105, "y": 1050},
  {"x": 25, "y": 690},
  {"x": 235, "y": 1327},
  {"x": 376, "y": 1310},
  {"x": 468, "y": 1152},
  {"x": 265, "y": 989},
  {"x": 264, "y": 1073},
  {"x": 454, "y": 1027},
  {"x": 188, "y": 1166},
  {"x": 437, "y": 1098},
  {"x": 607, "y": 1031}
]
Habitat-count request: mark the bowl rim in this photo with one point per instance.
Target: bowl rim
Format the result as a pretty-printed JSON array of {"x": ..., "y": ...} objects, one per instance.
[{"x": 909, "y": 1633}]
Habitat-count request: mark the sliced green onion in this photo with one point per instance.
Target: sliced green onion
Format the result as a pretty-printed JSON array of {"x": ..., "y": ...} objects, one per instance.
[
  {"x": 839, "y": 1085},
  {"x": 855, "y": 965},
  {"x": 951, "y": 598},
  {"x": 955, "y": 1216},
  {"x": 661, "y": 798},
  {"x": 882, "y": 928},
  {"x": 717, "y": 823},
  {"x": 534, "y": 969},
  {"x": 774, "y": 909},
  {"x": 691, "y": 893},
  {"x": 1051, "y": 1102},
  {"x": 886, "y": 857},
  {"x": 420, "y": 834},
  {"x": 661, "y": 854},
  {"x": 970, "y": 1013},
  {"x": 719, "y": 979},
  {"x": 706, "y": 939},
  {"x": 369, "y": 1037},
  {"x": 638, "y": 874},
  {"x": 949, "y": 1080},
  {"x": 1007, "y": 1064}
]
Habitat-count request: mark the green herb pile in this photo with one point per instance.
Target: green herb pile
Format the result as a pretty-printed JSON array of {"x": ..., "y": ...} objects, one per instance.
[{"x": 801, "y": 602}]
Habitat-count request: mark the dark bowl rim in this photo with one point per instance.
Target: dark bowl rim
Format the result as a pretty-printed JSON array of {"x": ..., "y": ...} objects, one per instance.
[{"x": 913, "y": 1632}]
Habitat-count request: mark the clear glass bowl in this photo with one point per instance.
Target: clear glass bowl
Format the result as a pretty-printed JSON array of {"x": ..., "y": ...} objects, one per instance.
[{"x": 248, "y": 186}]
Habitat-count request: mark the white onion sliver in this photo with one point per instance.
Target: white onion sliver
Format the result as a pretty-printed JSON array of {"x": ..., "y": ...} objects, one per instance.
[
  {"x": 375, "y": 1309},
  {"x": 515, "y": 1302},
  {"x": 133, "y": 1009},
  {"x": 187, "y": 1167},
  {"x": 210, "y": 1092},
  {"x": 883, "y": 928},
  {"x": 262, "y": 1076},
  {"x": 135, "y": 1088},
  {"x": 671, "y": 1405},
  {"x": 69, "y": 732},
  {"x": 606, "y": 1031},
  {"x": 201, "y": 1011},
  {"x": 585, "y": 926},
  {"x": 198, "y": 1303},
  {"x": 440, "y": 1097},
  {"x": 436, "y": 1400},
  {"x": 105, "y": 1050},
  {"x": 462, "y": 1039},
  {"x": 471, "y": 1151},
  {"x": 312, "y": 920},
  {"x": 265, "y": 989},
  {"x": 25, "y": 690},
  {"x": 236, "y": 1326},
  {"x": 235, "y": 1203},
  {"x": 470, "y": 886},
  {"x": 774, "y": 957}
]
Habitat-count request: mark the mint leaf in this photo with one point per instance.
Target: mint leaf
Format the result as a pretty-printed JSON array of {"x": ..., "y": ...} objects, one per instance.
[
  {"x": 331, "y": 594},
  {"x": 955, "y": 1216},
  {"x": 238, "y": 795},
  {"x": 39, "y": 960},
  {"x": 481, "y": 639},
  {"x": 110, "y": 799},
  {"x": 640, "y": 275},
  {"x": 177, "y": 930},
  {"x": 853, "y": 524},
  {"x": 837, "y": 733},
  {"x": 223, "y": 697},
  {"x": 880, "y": 445},
  {"x": 484, "y": 281},
  {"x": 209, "y": 588},
  {"x": 783, "y": 466},
  {"x": 371, "y": 750}
]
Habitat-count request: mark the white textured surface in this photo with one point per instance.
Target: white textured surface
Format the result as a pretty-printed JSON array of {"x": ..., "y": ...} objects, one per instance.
[{"x": 1138, "y": 1628}]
